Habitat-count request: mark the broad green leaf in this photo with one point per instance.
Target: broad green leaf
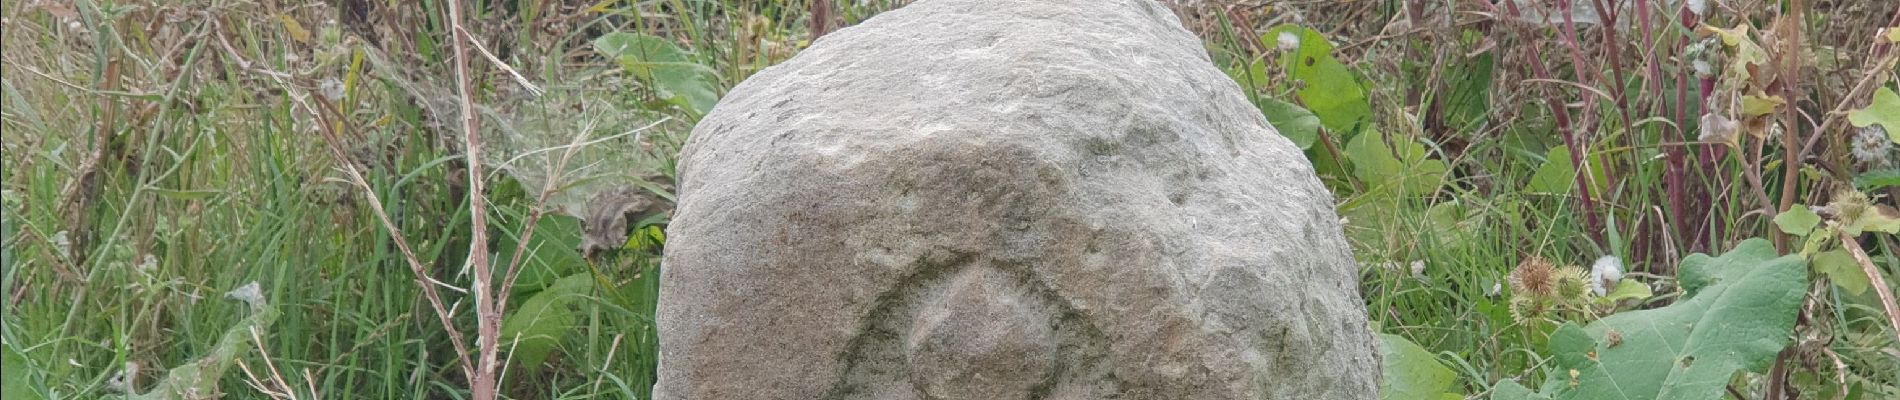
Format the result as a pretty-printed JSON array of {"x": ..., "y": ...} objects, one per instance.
[
  {"x": 1331, "y": 168},
  {"x": 1735, "y": 314},
  {"x": 534, "y": 329},
  {"x": 1294, "y": 122},
  {"x": 1875, "y": 219},
  {"x": 1759, "y": 105},
  {"x": 1252, "y": 73},
  {"x": 1798, "y": 220},
  {"x": 1840, "y": 268},
  {"x": 1410, "y": 372},
  {"x": 665, "y": 66},
  {"x": 1403, "y": 170},
  {"x": 1877, "y": 179},
  {"x": 1627, "y": 289},
  {"x": 1746, "y": 52},
  {"x": 13, "y": 375},
  {"x": 1558, "y": 176},
  {"x": 1328, "y": 87},
  {"x": 1511, "y": 390},
  {"x": 551, "y": 253},
  {"x": 1884, "y": 111}
]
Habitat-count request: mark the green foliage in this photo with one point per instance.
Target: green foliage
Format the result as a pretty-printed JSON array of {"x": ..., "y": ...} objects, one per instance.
[
  {"x": 1758, "y": 105},
  {"x": 1292, "y": 121},
  {"x": 550, "y": 254},
  {"x": 1511, "y": 390},
  {"x": 1746, "y": 54},
  {"x": 1328, "y": 87},
  {"x": 1401, "y": 169},
  {"x": 1855, "y": 214},
  {"x": 663, "y": 66},
  {"x": 1884, "y": 111},
  {"x": 534, "y": 329},
  {"x": 1468, "y": 104},
  {"x": 1797, "y": 220},
  {"x": 1736, "y": 313},
  {"x": 1407, "y": 371},
  {"x": 13, "y": 374},
  {"x": 193, "y": 379},
  {"x": 1841, "y": 269},
  {"x": 1455, "y": 224},
  {"x": 1626, "y": 289},
  {"x": 208, "y": 169},
  {"x": 1557, "y": 175},
  {"x": 1877, "y": 179}
]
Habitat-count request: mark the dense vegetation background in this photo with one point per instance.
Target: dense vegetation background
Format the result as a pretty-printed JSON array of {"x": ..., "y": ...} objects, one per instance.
[{"x": 271, "y": 199}]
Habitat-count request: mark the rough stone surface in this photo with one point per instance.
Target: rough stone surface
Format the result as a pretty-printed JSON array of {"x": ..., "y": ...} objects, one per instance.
[{"x": 1031, "y": 199}]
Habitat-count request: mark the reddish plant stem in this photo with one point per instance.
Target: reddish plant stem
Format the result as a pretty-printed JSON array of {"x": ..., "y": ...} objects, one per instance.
[
  {"x": 1414, "y": 11},
  {"x": 1705, "y": 155},
  {"x": 1564, "y": 128},
  {"x": 1887, "y": 302},
  {"x": 1791, "y": 126},
  {"x": 1697, "y": 227},
  {"x": 820, "y": 18},
  {"x": 1654, "y": 82},
  {"x": 1585, "y": 76},
  {"x": 1612, "y": 54},
  {"x": 1578, "y": 152}
]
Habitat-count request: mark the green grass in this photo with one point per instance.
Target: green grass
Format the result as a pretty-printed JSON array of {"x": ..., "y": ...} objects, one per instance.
[{"x": 209, "y": 165}]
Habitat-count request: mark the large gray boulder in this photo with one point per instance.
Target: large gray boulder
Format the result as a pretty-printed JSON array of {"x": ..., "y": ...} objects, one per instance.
[{"x": 1029, "y": 199}]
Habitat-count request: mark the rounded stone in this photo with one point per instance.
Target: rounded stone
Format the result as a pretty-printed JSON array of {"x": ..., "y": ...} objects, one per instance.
[
  {"x": 982, "y": 337},
  {"x": 918, "y": 207}
]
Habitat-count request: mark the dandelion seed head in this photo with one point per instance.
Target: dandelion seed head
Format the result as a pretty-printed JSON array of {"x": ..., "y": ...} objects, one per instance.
[
  {"x": 1605, "y": 273},
  {"x": 1871, "y": 146},
  {"x": 331, "y": 88},
  {"x": 1288, "y": 41}
]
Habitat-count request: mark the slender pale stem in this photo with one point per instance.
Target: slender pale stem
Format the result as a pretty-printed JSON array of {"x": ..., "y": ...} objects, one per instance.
[{"x": 488, "y": 319}]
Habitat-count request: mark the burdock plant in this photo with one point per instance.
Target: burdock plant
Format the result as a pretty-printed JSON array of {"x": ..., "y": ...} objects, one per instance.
[{"x": 1539, "y": 287}]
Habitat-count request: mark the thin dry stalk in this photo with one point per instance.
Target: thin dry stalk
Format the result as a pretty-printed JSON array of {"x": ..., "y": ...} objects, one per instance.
[
  {"x": 331, "y": 127},
  {"x": 282, "y": 390},
  {"x": 332, "y": 140},
  {"x": 1880, "y": 285},
  {"x": 260, "y": 385},
  {"x": 521, "y": 80},
  {"x": 488, "y": 318},
  {"x": 611, "y": 348},
  {"x": 1872, "y": 77}
]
